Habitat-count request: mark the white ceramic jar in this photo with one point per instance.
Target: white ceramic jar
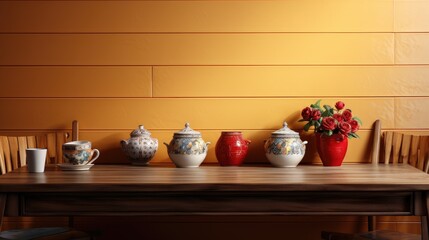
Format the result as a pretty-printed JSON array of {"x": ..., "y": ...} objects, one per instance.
[
  {"x": 140, "y": 148},
  {"x": 187, "y": 148},
  {"x": 284, "y": 148}
]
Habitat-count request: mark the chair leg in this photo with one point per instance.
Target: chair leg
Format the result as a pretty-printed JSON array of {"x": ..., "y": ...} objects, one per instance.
[
  {"x": 424, "y": 227},
  {"x": 2, "y": 208},
  {"x": 372, "y": 221}
]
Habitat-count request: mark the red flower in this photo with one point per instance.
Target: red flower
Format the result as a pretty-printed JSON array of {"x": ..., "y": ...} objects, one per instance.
[
  {"x": 345, "y": 128},
  {"x": 306, "y": 113},
  {"x": 339, "y": 105},
  {"x": 347, "y": 115},
  {"x": 315, "y": 114},
  {"x": 328, "y": 123},
  {"x": 328, "y": 120},
  {"x": 355, "y": 125},
  {"x": 338, "y": 117}
]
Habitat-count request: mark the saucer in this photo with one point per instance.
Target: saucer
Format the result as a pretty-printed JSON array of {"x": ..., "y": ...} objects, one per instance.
[{"x": 71, "y": 167}]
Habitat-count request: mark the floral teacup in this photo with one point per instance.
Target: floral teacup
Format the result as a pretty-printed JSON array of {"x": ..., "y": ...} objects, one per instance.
[{"x": 79, "y": 153}]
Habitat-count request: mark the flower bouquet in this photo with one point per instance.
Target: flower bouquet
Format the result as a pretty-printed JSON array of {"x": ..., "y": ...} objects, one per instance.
[{"x": 333, "y": 126}]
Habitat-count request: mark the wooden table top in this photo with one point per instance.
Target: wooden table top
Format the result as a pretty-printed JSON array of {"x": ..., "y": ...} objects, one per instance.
[{"x": 107, "y": 178}]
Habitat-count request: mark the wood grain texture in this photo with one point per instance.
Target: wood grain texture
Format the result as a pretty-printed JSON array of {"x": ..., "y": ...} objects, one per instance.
[
  {"x": 165, "y": 178},
  {"x": 166, "y": 113},
  {"x": 82, "y": 81},
  {"x": 196, "y": 49},
  {"x": 252, "y": 81},
  {"x": 196, "y": 16}
]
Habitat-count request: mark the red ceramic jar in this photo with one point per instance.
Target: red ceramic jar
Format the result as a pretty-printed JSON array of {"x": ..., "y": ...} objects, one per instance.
[{"x": 231, "y": 149}]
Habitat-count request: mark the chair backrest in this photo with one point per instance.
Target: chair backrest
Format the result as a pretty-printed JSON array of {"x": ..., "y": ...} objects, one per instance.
[
  {"x": 12, "y": 149},
  {"x": 402, "y": 148}
]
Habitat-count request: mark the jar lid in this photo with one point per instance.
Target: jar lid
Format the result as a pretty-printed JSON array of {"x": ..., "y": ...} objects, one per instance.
[
  {"x": 140, "y": 132},
  {"x": 285, "y": 131},
  {"x": 187, "y": 131}
]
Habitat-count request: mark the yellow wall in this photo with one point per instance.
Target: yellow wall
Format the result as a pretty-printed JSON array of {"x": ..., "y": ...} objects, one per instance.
[{"x": 220, "y": 65}]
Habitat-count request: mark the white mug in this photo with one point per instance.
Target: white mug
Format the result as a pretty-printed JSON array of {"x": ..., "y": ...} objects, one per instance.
[{"x": 36, "y": 158}]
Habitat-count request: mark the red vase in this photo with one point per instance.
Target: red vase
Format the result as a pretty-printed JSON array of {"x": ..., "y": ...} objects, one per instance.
[
  {"x": 331, "y": 149},
  {"x": 231, "y": 149}
]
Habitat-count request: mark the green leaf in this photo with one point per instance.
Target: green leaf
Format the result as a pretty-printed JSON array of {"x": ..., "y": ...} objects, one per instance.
[
  {"x": 317, "y": 104},
  {"x": 358, "y": 120},
  {"x": 329, "y": 133},
  {"x": 317, "y": 124},
  {"x": 326, "y": 114},
  {"x": 354, "y": 135},
  {"x": 307, "y": 126},
  {"x": 327, "y": 107}
]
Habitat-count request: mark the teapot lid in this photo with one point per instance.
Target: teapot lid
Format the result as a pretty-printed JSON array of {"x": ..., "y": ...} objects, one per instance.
[
  {"x": 140, "y": 132},
  {"x": 187, "y": 131},
  {"x": 285, "y": 131}
]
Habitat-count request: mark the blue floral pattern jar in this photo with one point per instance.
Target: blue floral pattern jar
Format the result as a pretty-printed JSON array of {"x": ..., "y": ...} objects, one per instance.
[
  {"x": 187, "y": 148},
  {"x": 284, "y": 148}
]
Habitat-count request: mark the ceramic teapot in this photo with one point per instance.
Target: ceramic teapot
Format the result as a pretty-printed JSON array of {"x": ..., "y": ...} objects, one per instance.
[
  {"x": 284, "y": 148},
  {"x": 187, "y": 148},
  {"x": 140, "y": 148}
]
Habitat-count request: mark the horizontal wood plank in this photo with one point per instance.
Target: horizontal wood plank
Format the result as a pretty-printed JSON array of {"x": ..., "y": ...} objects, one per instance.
[
  {"x": 173, "y": 113},
  {"x": 244, "y": 81},
  {"x": 161, "y": 179},
  {"x": 196, "y": 16},
  {"x": 411, "y": 48},
  {"x": 411, "y": 112},
  {"x": 196, "y": 49},
  {"x": 411, "y": 16},
  {"x": 76, "y": 81}
]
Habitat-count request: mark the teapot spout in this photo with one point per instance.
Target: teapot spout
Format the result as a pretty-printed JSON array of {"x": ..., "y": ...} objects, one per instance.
[{"x": 166, "y": 144}]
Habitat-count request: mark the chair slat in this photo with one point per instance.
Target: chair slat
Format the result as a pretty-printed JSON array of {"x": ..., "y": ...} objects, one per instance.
[
  {"x": 397, "y": 141},
  {"x": 388, "y": 139},
  {"x": 31, "y": 141},
  {"x": 414, "y": 150},
  {"x": 22, "y": 146},
  {"x": 42, "y": 142},
  {"x": 376, "y": 143},
  {"x": 6, "y": 151},
  {"x": 423, "y": 146},
  {"x": 75, "y": 130},
  {"x": 61, "y": 139},
  {"x": 52, "y": 147},
  {"x": 405, "y": 149},
  {"x": 14, "y": 149},
  {"x": 2, "y": 159}
]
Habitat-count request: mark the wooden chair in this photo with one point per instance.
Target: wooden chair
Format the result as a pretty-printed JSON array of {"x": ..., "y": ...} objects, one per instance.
[
  {"x": 398, "y": 148},
  {"x": 13, "y": 156}
]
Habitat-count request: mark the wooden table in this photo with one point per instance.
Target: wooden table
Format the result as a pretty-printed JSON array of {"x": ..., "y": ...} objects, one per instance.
[{"x": 361, "y": 189}]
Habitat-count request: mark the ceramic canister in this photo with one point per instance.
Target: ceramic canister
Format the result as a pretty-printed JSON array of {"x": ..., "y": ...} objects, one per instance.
[
  {"x": 187, "y": 148},
  {"x": 140, "y": 148},
  {"x": 284, "y": 148},
  {"x": 231, "y": 148}
]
